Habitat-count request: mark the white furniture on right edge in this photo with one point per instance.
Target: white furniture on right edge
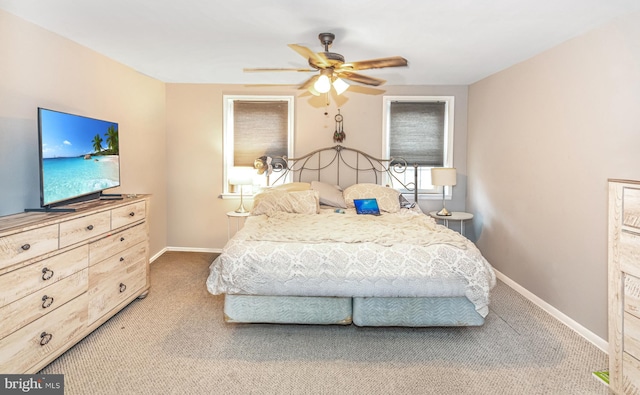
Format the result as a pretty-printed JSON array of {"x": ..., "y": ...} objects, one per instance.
[
  {"x": 624, "y": 286},
  {"x": 455, "y": 216}
]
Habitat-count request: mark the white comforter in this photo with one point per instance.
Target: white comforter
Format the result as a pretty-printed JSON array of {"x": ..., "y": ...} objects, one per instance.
[{"x": 330, "y": 254}]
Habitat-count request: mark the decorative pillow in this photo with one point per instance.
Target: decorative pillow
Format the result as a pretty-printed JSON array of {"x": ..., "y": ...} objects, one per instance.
[
  {"x": 331, "y": 195},
  {"x": 387, "y": 197},
  {"x": 293, "y": 186},
  {"x": 272, "y": 201}
]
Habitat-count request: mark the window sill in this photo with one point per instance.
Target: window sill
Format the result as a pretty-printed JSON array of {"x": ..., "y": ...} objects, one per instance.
[{"x": 245, "y": 196}]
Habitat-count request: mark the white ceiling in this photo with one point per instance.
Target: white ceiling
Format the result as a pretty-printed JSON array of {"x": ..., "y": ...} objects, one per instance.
[{"x": 211, "y": 41}]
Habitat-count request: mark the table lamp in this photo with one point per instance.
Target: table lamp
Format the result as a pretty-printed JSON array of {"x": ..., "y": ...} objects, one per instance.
[
  {"x": 443, "y": 176},
  {"x": 241, "y": 176}
]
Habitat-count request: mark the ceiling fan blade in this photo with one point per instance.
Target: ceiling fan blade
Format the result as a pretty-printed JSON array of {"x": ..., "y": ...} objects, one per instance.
[
  {"x": 271, "y": 85},
  {"x": 366, "y": 90},
  {"x": 394, "y": 61},
  {"x": 261, "y": 69},
  {"x": 363, "y": 79},
  {"x": 309, "y": 55},
  {"x": 305, "y": 85}
]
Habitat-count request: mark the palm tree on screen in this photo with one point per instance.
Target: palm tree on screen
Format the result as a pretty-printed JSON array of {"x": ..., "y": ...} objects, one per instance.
[
  {"x": 97, "y": 143},
  {"x": 112, "y": 140}
]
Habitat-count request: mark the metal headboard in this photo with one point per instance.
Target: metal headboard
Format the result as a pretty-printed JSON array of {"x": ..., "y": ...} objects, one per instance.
[{"x": 339, "y": 164}]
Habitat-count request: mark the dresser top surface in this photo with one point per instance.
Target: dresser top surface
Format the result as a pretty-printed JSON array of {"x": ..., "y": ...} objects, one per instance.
[
  {"x": 621, "y": 181},
  {"x": 19, "y": 222}
]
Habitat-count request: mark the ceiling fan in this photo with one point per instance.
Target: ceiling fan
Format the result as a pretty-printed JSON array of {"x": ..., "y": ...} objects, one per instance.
[{"x": 333, "y": 68}]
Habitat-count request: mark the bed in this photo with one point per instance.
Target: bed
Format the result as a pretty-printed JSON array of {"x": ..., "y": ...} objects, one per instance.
[{"x": 304, "y": 256}]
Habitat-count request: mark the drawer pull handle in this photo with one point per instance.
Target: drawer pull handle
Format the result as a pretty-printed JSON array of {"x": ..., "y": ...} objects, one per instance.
[
  {"x": 46, "y": 301},
  {"x": 46, "y": 274},
  {"x": 45, "y": 338},
  {"x": 123, "y": 287},
  {"x": 121, "y": 259},
  {"x": 26, "y": 246},
  {"x": 131, "y": 214},
  {"x": 122, "y": 239},
  {"x": 90, "y": 227}
]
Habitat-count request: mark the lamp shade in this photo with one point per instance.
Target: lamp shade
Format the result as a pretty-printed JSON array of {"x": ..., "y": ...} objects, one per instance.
[
  {"x": 241, "y": 176},
  {"x": 443, "y": 176},
  {"x": 322, "y": 85},
  {"x": 340, "y": 86}
]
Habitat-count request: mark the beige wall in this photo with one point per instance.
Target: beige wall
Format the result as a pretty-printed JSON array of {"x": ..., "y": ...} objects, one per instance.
[
  {"x": 41, "y": 69},
  {"x": 170, "y": 134},
  {"x": 194, "y": 136},
  {"x": 544, "y": 137}
]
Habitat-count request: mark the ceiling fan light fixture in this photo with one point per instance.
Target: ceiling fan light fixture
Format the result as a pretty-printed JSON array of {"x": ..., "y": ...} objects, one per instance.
[
  {"x": 323, "y": 84},
  {"x": 340, "y": 86},
  {"x": 313, "y": 91}
]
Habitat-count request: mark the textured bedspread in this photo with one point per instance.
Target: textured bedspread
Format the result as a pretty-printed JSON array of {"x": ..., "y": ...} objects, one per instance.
[{"x": 329, "y": 254}]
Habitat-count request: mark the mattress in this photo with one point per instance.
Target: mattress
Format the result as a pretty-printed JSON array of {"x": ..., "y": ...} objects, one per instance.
[{"x": 399, "y": 255}]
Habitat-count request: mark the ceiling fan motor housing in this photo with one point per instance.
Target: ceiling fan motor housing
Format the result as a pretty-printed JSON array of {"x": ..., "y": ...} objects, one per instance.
[
  {"x": 331, "y": 59},
  {"x": 326, "y": 39}
]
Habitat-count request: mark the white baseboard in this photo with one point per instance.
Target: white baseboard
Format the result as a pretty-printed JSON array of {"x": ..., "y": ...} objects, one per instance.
[
  {"x": 156, "y": 256},
  {"x": 192, "y": 249},
  {"x": 555, "y": 313},
  {"x": 183, "y": 249}
]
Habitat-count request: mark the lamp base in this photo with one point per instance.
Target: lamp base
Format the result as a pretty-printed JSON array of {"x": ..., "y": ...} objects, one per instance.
[
  {"x": 241, "y": 208},
  {"x": 444, "y": 212}
]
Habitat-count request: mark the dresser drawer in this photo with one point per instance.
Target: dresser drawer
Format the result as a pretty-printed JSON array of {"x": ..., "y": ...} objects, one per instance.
[
  {"x": 83, "y": 228},
  {"x": 631, "y": 207},
  {"x": 630, "y": 374},
  {"x": 632, "y": 294},
  {"x": 31, "y": 307},
  {"x": 125, "y": 215},
  {"x": 115, "y": 279},
  {"x": 629, "y": 253},
  {"x": 26, "y": 245},
  {"x": 631, "y": 333},
  {"x": 116, "y": 243},
  {"x": 41, "y": 274},
  {"x": 29, "y": 345}
]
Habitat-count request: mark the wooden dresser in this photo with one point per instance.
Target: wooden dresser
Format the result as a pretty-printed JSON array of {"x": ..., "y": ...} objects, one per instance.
[
  {"x": 64, "y": 274},
  {"x": 624, "y": 286}
]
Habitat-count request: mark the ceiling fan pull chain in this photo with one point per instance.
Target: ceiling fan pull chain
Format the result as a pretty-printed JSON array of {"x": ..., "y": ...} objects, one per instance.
[{"x": 339, "y": 135}]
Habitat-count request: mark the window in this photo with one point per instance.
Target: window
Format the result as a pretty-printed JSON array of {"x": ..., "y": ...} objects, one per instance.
[
  {"x": 255, "y": 126},
  {"x": 419, "y": 129}
]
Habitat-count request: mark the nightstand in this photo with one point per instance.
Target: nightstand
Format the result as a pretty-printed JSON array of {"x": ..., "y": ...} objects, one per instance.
[
  {"x": 239, "y": 218},
  {"x": 455, "y": 216}
]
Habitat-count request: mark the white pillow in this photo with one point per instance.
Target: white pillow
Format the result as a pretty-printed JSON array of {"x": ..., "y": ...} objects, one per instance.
[
  {"x": 387, "y": 197},
  {"x": 299, "y": 202},
  {"x": 330, "y": 195}
]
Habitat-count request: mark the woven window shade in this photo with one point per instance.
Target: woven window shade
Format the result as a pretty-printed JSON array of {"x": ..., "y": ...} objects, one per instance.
[
  {"x": 416, "y": 132},
  {"x": 260, "y": 128}
]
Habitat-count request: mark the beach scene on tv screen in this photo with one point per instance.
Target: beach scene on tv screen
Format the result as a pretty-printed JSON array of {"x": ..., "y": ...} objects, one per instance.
[{"x": 79, "y": 156}]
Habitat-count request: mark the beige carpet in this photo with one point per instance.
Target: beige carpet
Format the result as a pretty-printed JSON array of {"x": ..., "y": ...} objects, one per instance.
[{"x": 175, "y": 342}]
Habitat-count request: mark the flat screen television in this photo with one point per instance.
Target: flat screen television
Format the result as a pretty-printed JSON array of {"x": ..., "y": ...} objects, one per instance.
[{"x": 79, "y": 157}]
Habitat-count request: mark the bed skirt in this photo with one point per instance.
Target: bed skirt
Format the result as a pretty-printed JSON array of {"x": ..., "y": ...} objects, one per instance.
[
  {"x": 412, "y": 312},
  {"x": 415, "y": 312},
  {"x": 287, "y": 309}
]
